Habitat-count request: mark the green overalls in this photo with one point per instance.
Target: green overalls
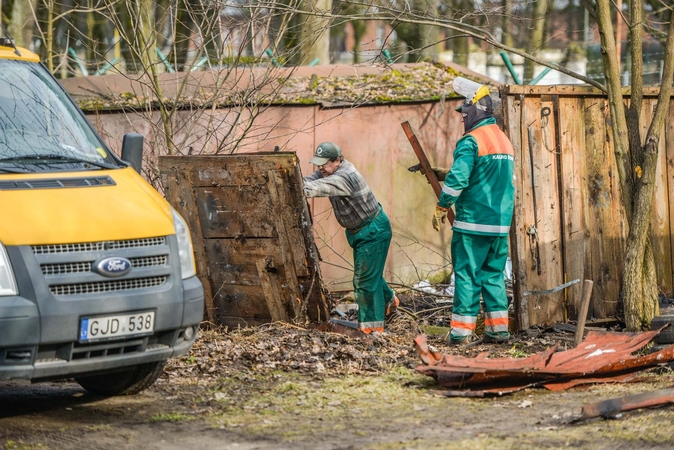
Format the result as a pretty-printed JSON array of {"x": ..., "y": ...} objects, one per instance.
[
  {"x": 370, "y": 243},
  {"x": 480, "y": 186}
]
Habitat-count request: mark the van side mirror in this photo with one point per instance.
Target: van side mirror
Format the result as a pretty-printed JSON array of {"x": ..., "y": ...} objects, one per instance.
[{"x": 132, "y": 150}]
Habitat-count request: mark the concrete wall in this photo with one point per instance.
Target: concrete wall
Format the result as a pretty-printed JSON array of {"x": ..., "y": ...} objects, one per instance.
[{"x": 370, "y": 136}]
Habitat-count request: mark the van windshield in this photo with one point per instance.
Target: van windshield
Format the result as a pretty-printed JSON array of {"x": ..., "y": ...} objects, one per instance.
[{"x": 40, "y": 127}]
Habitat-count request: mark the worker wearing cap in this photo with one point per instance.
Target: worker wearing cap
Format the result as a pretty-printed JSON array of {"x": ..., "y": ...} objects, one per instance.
[
  {"x": 480, "y": 186},
  {"x": 368, "y": 231}
]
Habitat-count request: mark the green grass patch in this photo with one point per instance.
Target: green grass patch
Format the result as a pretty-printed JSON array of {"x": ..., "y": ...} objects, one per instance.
[
  {"x": 168, "y": 417},
  {"x": 20, "y": 445},
  {"x": 296, "y": 407},
  {"x": 434, "y": 330}
]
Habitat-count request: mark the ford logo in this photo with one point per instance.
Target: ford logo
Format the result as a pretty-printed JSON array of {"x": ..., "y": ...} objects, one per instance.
[{"x": 113, "y": 267}]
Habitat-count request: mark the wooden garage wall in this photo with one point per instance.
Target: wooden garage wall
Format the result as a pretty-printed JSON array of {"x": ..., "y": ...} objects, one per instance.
[{"x": 569, "y": 223}]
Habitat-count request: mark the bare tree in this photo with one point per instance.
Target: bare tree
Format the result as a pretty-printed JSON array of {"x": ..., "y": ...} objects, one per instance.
[
  {"x": 225, "y": 80},
  {"x": 636, "y": 157},
  {"x": 49, "y": 14}
]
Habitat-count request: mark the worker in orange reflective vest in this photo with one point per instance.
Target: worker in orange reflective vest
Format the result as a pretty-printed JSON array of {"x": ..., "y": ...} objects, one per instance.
[{"x": 480, "y": 187}]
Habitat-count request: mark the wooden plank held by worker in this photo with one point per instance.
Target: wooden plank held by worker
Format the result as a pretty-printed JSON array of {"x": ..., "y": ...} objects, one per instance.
[{"x": 425, "y": 165}]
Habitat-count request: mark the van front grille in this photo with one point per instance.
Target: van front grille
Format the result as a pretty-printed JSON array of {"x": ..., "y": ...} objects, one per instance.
[
  {"x": 82, "y": 267},
  {"x": 97, "y": 246},
  {"x": 60, "y": 269},
  {"x": 107, "y": 286}
]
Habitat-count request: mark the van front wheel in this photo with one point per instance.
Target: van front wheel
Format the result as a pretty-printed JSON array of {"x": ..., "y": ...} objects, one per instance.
[{"x": 128, "y": 382}]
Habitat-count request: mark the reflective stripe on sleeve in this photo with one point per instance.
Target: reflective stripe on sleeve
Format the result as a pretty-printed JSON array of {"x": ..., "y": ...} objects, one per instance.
[{"x": 449, "y": 191}]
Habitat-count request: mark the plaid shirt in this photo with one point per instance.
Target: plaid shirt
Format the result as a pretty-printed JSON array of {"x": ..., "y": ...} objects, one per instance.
[{"x": 351, "y": 197}]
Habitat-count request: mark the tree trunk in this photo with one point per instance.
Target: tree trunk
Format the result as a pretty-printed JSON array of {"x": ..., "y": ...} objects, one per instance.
[
  {"x": 314, "y": 40},
  {"x": 21, "y": 23},
  {"x": 507, "y": 37},
  {"x": 49, "y": 37},
  {"x": 429, "y": 43},
  {"x": 146, "y": 36},
  {"x": 359, "y": 29},
  {"x": 640, "y": 294},
  {"x": 458, "y": 43},
  {"x": 184, "y": 27},
  {"x": 637, "y": 183},
  {"x": 535, "y": 41}
]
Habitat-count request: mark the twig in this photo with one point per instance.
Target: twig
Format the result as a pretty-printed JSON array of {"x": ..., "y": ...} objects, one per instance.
[{"x": 420, "y": 290}]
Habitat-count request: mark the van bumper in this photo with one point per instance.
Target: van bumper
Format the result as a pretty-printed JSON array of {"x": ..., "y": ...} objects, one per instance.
[{"x": 23, "y": 357}]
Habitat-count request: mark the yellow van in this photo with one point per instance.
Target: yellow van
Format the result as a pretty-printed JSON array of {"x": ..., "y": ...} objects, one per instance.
[{"x": 97, "y": 272}]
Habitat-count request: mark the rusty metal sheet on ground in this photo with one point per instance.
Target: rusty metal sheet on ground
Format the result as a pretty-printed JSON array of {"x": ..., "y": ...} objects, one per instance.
[
  {"x": 601, "y": 357},
  {"x": 610, "y": 408}
]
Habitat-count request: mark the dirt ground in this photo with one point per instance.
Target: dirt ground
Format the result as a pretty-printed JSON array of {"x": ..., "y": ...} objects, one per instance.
[{"x": 285, "y": 387}]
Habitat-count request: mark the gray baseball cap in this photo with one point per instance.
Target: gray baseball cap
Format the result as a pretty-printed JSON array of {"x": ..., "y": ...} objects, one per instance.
[{"x": 325, "y": 152}]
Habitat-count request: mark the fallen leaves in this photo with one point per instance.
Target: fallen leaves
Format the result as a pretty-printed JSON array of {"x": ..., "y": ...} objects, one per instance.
[{"x": 278, "y": 346}]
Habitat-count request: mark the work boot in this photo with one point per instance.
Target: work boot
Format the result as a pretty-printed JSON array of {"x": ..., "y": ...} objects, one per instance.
[
  {"x": 497, "y": 338},
  {"x": 391, "y": 306},
  {"x": 453, "y": 341}
]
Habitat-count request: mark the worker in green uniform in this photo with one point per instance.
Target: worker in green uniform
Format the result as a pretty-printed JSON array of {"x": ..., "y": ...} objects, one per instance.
[
  {"x": 368, "y": 231},
  {"x": 480, "y": 186}
]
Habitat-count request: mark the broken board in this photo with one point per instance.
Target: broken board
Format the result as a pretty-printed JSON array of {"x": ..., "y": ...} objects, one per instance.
[{"x": 243, "y": 209}]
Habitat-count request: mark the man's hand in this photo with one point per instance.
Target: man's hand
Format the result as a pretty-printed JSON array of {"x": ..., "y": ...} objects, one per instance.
[
  {"x": 440, "y": 172},
  {"x": 439, "y": 217}
]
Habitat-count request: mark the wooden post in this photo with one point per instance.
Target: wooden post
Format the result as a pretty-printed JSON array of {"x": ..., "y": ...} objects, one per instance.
[
  {"x": 425, "y": 165},
  {"x": 584, "y": 307}
]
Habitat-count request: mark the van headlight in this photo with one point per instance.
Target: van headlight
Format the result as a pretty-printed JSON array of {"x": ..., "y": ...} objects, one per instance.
[
  {"x": 7, "y": 281},
  {"x": 185, "y": 250}
]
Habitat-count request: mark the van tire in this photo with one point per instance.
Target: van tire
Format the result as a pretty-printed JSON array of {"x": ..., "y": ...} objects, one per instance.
[
  {"x": 127, "y": 382},
  {"x": 666, "y": 336}
]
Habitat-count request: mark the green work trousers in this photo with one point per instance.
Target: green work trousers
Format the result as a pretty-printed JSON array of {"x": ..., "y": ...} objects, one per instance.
[
  {"x": 479, "y": 262},
  {"x": 370, "y": 245}
]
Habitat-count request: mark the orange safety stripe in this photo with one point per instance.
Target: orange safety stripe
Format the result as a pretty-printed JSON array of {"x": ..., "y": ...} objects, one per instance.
[
  {"x": 492, "y": 141},
  {"x": 464, "y": 325},
  {"x": 370, "y": 330},
  {"x": 496, "y": 321}
]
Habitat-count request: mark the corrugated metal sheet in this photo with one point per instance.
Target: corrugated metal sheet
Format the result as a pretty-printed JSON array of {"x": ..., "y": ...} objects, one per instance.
[{"x": 601, "y": 357}]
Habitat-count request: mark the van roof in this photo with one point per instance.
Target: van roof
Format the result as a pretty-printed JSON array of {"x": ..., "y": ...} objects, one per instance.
[{"x": 26, "y": 55}]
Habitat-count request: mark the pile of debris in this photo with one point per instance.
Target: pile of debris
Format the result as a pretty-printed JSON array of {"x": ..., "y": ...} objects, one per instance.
[{"x": 323, "y": 352}]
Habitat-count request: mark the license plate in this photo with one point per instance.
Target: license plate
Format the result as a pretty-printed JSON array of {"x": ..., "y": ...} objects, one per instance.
[{"x": 107, "y": 327}]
